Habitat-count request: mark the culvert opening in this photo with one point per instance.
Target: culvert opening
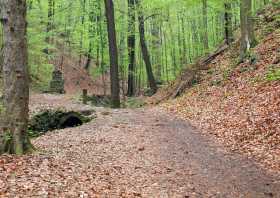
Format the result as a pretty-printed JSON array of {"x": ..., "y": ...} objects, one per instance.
[
  {"x": 50, "y": 120},
  {"x": 71, "y": 121}
]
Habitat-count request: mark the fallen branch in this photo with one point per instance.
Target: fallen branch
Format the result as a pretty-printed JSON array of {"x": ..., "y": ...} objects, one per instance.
[
  {"x": 191, "y": 74},
  {"x": 205, "y": 61}
]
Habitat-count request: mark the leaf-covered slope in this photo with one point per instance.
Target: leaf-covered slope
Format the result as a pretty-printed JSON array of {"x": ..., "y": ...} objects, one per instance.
[{"x": 240, "y": 104}]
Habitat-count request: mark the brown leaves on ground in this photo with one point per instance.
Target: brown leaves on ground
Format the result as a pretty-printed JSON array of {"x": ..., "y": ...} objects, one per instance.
[
  {"x": 121, "y": 154},
  {"x": 238, "y": 105},
  {"x": 131, "y": 153}
]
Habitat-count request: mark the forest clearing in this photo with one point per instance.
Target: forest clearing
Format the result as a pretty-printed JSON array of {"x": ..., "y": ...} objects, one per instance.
[{"x": 140, "y": 98}]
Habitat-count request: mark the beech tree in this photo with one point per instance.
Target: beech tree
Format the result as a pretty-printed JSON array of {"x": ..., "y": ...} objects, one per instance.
[
  {"x": 170, "y": 35},
  {"x": 113, "y": 52},
  {"x": 144, "y": 48},
  {"x": 248, "y": 39},
  {"x": 13, "y": 134},
  {"x": 228, "y": 22},
  {"x": 131, "y": 48},
  {"x": 205, "y": 25}
]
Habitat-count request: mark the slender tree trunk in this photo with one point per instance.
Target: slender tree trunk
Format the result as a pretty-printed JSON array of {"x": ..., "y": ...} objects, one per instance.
[
  {"x": 145, "y": 51},
  {"x": 228, "y": 23},
  {"x": 131, "y": 48},
  {"x": 156, "y": 43},
  {"x": 165, "y": 55},
  {"x": 91, "y": 34},
  {"x": 50, "y": 23},
  {"x": 13, "y": 134},
  {"x": 102, "y": 46},
  {"x": 1, "y": 49},
  {"x": 50, "y": 16},
  {"x": 245, "y": 44},
  {"x": 251, "y": 22},
  {"x": 179, "y": 40},
  {"x": 184, "y": 59},
  {"x": 82, "y": 31},
  {"x": 205, "y": 25},
  {"x": 113, "y": 52}
]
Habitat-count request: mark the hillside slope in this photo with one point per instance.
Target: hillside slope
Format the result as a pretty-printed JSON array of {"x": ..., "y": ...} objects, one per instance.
[
  {"x": 240, "y": 104},
  {"x": 76, "y": 77}
]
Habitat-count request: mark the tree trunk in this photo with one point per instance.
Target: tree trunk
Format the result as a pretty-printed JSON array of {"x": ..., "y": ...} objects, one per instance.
[
  {"x": 228, "y": 23},
  {"x": 102, "y": 46},
  {"x": 13, "y": 134},
  {"x": 250, "y": 18},
  {"x": 184, "y": 55},
  {"x": 156, "y": 43},
  {"x": 248, "y": 39},
  {"x": 205, "y": 25},
  {"x": 113, "y": 52},
  {"x": 50, "y": 20},
  {"x": 145, "y": 51},
  {"x": 131, "y": 48}
]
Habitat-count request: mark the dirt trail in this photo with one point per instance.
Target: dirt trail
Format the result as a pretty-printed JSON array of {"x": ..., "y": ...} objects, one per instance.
[{"x": 133, "y": 153}]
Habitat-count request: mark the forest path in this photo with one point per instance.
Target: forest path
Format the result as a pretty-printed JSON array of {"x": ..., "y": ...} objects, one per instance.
[{"x": 132, "y": 153}]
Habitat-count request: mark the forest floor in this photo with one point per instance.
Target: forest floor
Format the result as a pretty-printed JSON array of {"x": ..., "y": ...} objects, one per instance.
[
  {"x": 144, "y": 152},
  {"x": 76, "y": 77},
  {"x": 239, "y": 104}
]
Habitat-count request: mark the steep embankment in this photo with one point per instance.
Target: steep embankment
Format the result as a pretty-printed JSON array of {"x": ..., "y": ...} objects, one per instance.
[{"x": 240, "y": 104}]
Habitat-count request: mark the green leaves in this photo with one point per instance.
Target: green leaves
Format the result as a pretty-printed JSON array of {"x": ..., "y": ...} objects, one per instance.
[{"x": 273, "y": 75}]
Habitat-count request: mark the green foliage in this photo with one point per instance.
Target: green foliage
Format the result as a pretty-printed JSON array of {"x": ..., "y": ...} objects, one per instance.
[
  {"x": 80, "y": 27},
  {"x": 51, "y": 120},
  {"x": 47, "y": 120},
  {"x": 40, "y": 69},
  {"x": 216, "y": 82},
  {"x": 41, "y": 76},
  {"x": 97, "y": 101},
  {"x": 227, "y": 73},
  {"x": 33, "y": 134},
  {"x": 276, "y": 4},
  {"x": 1, "y": 107},
  {"x": 273, "y": 74},
  {"x": 134, "y": 103},
  {"x": 1, "y": 103},
  {"x": 276, "y": 22},
  {"x": 8, "y": 136}
]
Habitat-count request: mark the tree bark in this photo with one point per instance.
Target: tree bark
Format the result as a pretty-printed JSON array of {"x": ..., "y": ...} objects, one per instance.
[
  {"x": 50, "y": 20},
  {"x": 248, "y": 39},
  {"x": 131, "y": 48},
  {"x": 13, "y": 134},
  {"x": 156, "y": 43},
  {"x": 113, "y": 52},
  {"x": 251, "y": 23},
  {"x": 102, "y": 46},
  {"x": 228, "y": 23},
  {"x": 145, "y": 51},
  {"x": 205, "y": 25}
]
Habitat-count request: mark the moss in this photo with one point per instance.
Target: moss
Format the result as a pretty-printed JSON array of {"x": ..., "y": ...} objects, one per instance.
[
  {"x": 51, "y": 120},
  {"x": 134, "y": 103},
  {"x": 99, "y": 100},
  {"x": 8, "y": 145},
  {"x": 273, "y": 75}
]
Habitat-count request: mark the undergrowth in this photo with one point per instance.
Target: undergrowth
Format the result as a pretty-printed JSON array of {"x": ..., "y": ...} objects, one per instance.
[{"x": 273, "y": 74}]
